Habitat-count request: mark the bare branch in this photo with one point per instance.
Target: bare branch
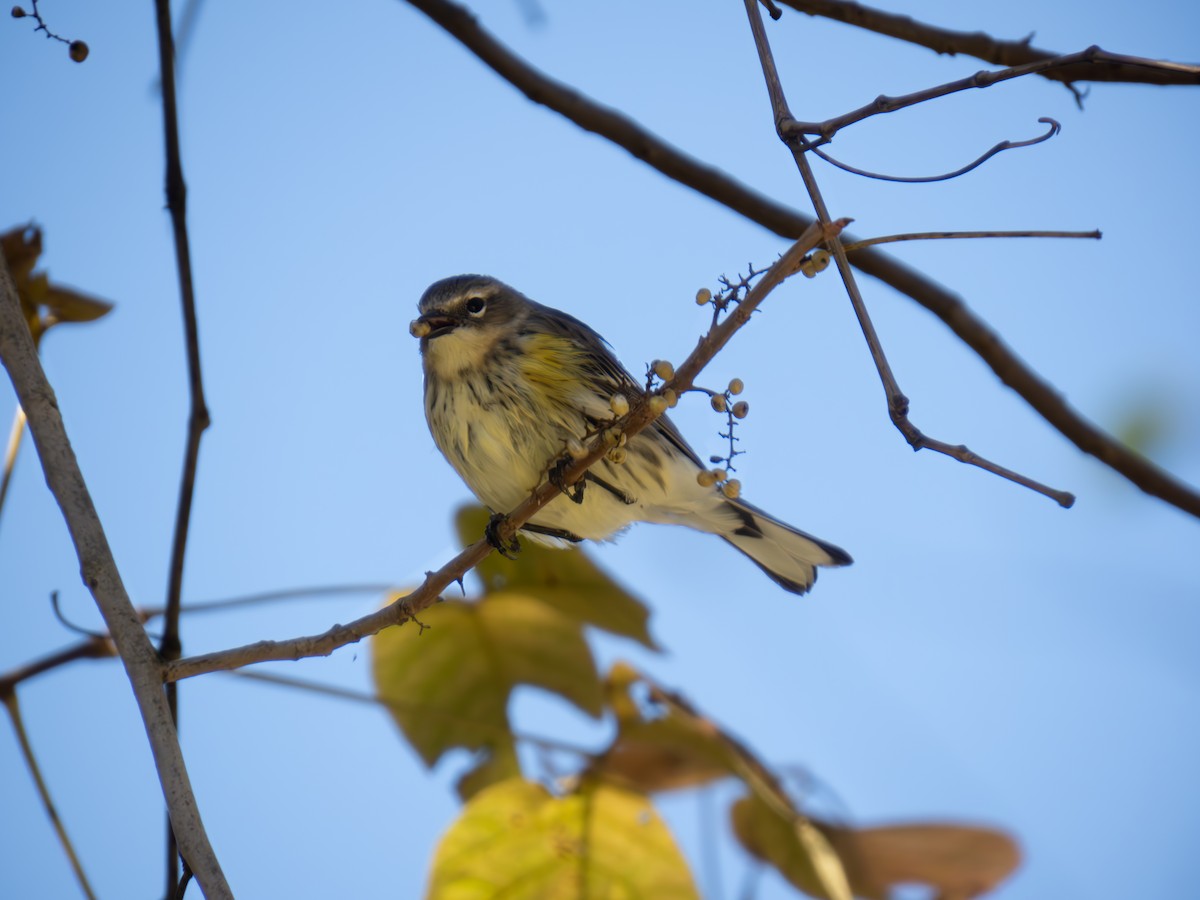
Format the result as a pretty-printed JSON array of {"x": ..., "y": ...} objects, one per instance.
[
  {"x": 790, "y": 223},
  {"x": 100, "y": 574},
  {"x": 641, "y": 415},
  {"x": 897, "y": 402},
  {"x": 1099, "y": 66},
  {"x": 953, "y": 235},
  {"x": 14, "y": 713}
]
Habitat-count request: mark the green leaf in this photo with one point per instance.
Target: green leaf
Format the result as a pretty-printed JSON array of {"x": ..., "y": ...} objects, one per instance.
[
  {"x": 566, "y": 579},
  {"x": 448, "y": 685},
  {"x": 516, "y": 840}
]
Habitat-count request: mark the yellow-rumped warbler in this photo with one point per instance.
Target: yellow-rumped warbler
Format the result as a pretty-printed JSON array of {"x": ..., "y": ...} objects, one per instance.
[{"x": 510, "y": 385}]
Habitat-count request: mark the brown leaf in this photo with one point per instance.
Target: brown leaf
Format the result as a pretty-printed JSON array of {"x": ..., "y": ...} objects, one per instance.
[{"x": 958, "y": 861}]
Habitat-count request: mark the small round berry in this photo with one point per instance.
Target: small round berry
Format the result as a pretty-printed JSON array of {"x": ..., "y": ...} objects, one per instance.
[
  {"x": 716, "y": 459},
  {"x": 619, "y": 404},
  {"x": 706, "y": 478},
  {"x": 78, "y": 51},
  {"x": 736, "y": 386},
  {"x": 703, "y": 296},
  {"x": 720, "y": 474},
  {"x": 671, "y": 397},
  {"x": 807, "y": 269},
  {"x": 741, "y": 409},
  {"x": 575, "y": 448},
  {"x": 718, "y": 402},
  {"x": 658, "y": 404},
  {"x": 732, "y": 488},
  {"x": 820, "y": 260},
  {"x": 613, "y": 435},
  {"x": 18, "y": 13},
  {"x": 663, "y": 369},
  {"x": 418, "y": 328},
  {"x": 617, "y": 455}
]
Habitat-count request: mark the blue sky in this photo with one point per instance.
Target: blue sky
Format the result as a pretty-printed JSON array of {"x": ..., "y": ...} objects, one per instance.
[{"x": 990, "y": 657}]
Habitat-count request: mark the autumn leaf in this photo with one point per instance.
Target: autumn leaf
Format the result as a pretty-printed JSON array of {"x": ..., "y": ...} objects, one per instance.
[
  {"x": 448, "y": 685},
  {"x": 956, "y": 861},
  {"x": 516, "y": 840},
  {"x": 566, "y": 579},
  {"x": 665, "y": 743},
  {"x": 44, "y": 304}
]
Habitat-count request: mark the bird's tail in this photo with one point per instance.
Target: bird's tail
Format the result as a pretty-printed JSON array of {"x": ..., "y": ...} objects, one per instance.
[{"x": 787, "y": 555}]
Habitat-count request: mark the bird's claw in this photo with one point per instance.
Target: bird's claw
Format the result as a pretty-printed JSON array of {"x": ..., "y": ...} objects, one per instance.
[
  {"x": 574, "y": 491},
  {"x": 508, "y": 549}
]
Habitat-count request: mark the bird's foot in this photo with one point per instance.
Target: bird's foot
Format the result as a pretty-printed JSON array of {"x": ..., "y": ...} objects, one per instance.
[
  {"x": 508, "y": 549},
  {"x": 574, "y": 491}
]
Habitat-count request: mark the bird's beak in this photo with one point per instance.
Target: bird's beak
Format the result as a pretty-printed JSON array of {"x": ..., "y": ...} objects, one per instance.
[{"x": 432, "y": 325}]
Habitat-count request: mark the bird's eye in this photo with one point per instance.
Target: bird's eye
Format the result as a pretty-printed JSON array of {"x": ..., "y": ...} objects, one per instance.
[{"x": 476, "y": 306}]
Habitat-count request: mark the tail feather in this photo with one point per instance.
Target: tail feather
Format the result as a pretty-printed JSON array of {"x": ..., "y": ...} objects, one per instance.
[{"x": 788, "y": 556}]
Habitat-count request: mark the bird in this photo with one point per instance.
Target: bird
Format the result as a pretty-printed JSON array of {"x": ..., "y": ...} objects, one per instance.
[{"x": 512, "y": 385}]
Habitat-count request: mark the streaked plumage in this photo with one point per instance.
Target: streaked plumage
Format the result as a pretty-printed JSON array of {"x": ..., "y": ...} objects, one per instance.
[{"x": 508, "y": 381}]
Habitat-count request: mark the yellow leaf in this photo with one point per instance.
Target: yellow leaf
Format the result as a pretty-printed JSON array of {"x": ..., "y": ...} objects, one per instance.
[
  {"x": 449, "y": 684},
  {"x": 566, "y": 579},
  {"x": 515, "y": 840}
]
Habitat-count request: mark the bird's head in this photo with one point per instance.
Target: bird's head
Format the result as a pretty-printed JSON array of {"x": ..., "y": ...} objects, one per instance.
[{"x": 461, "y": 319}]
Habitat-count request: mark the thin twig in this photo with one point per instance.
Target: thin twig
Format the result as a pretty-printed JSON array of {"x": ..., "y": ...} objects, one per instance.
[
  {"x": 958, "y": 235},
  {"x": 170, "y": 646},
  {"x": 885, "y": 104},
  {"x": 99, "y": 647},
  {"x": 100, "y": 574},
  {"x": 1054, "y": 129},
  {"x": 10, "y": 454},
  {"x": 424, "y": 709},
  {"x": 897, "y": 402},
  {"x": 14, "y": 713},
  {"x": 790, "y": 223},
  {"x": 1103, "y": 66},
  {"x": 404, "y": 608}
]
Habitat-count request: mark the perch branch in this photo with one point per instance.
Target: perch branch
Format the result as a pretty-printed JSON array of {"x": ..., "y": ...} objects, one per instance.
[
  {"x": 790, "y": 223},
  {"x": 99, "y": 572},
  {"x": 1100, "y": 66},
  {"x": 896, "y": 401},
  {"x": 405, "y": 608}
]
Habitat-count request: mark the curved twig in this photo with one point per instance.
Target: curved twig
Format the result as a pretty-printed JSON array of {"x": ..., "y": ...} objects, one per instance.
[
  {"x": 1055, "y": 128},
  {"x": 959, "y": 235}
]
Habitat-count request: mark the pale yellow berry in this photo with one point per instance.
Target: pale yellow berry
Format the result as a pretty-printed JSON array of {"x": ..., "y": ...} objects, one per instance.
[
  {"x": 575, "y": 448},
  {"x": 619, "y": 404},
  {"x": 671, "y": 397},
  {"x": 617, "y": 455},
  {"x": 658, "y": 404},
  {"x": 807, "y": 269},
  {"x": 706, "y": 478},
  {"x": 418, "y": 328},
  {"x": 623, "y": 439},
  {"x": 741, "y": 409},
  {"x": 663, "y": 369},
  {"x": 820, "y": 260},
  {"x": 703, "y": 296},
  {"x": 720, "y": 474},
  {"x": 718, "y": 402},
  {"x": 732, "y": 488},
  {"x": 613, "y": 435},
  {"x": 736, "y": 386}
]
